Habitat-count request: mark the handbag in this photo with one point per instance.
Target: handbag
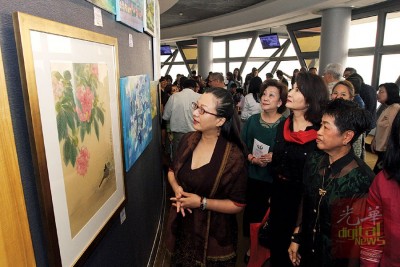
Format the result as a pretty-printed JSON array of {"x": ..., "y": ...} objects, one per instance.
[{"x": 264, "y": 232}]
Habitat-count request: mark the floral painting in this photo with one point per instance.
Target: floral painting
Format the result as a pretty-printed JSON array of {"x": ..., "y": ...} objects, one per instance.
[
  {"x": 130, "y": 12},
  {"x": 107, "y": 5},
  {"x": 84, "y": 133},
  {"x": 136, "y": 116},
  {"x": 154, "y": 98}
]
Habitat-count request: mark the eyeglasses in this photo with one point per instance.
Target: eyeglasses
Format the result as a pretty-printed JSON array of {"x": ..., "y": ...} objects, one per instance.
[{"x": 201, "y": 110}]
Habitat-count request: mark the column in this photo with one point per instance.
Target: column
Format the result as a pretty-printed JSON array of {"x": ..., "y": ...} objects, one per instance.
[
  {"x": 204, "y": 55},
  {"x": 335, "y": 29}
]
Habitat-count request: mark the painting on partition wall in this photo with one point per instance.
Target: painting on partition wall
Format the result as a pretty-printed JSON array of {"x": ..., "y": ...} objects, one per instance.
[
  {"x": 136, "y": 116},
  {"x": 149, "y": 17},
  {"x": 107, "y": 5},
  {"x": 154, "y": 98},
  {"x": 82, "y": 103},
  {"x": 130, "y": 12}
]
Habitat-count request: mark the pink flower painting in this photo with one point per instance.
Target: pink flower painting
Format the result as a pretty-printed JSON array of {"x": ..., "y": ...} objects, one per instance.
[
  {"x": 82, "y": 161},
  {"x": 86, "y": 98}
]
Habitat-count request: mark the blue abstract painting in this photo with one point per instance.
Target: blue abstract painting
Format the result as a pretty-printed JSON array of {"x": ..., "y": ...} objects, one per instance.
[{"x": 136, "y": 116}]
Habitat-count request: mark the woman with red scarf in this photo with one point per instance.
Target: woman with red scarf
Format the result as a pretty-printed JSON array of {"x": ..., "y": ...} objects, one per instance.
[{"x": 295, "y": 139}]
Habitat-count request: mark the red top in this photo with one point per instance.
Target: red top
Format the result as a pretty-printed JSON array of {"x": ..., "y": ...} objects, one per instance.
[{"x": 381, "y": 227}]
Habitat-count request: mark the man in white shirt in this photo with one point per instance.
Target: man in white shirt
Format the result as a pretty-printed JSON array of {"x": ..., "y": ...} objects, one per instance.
[{"x": 178, "y": 111}]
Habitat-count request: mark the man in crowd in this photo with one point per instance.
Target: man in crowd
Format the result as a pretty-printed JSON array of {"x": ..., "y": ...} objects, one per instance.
[
  {"x": 332, "y": 74},
  {"x": 178, "y": 111}
]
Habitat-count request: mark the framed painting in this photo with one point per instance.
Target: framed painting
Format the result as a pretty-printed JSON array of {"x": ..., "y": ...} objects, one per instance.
[
  {"x": 70, "y": 85},
  {"x": 154, "y": 98},
  {"x": 148, "y": 21},
  {"x": 136, "y": 116},
  {"x": 130, "y": 13},
  {"x": 107, "y": 5}
]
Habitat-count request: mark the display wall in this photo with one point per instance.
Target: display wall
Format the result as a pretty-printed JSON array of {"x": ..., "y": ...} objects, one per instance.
[{"x": 127, "y": 244}]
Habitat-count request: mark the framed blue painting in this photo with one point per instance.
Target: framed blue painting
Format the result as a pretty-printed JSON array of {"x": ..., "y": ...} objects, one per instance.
[{"x": 136, "y": 116}]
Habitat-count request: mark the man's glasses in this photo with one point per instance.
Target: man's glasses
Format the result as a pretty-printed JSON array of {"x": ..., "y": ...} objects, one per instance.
[{"x": 201, "y": 110}]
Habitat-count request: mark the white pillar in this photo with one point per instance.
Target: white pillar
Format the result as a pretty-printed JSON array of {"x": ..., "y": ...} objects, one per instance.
[
  {"x": 204, "y": 55},
  {"x": 335, "y": 29}
]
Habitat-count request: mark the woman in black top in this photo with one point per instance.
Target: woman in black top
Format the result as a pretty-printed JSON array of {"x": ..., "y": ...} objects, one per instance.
[{"x": 294, "y": 141}]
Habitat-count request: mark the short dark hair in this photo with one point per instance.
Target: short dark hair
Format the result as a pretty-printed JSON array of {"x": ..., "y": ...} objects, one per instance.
[
  {"x": 392, "y": 91},
  {"x": 392, "y": 156},
  {"x": 189, "y": 83},
  {"x": 349, "y": 117},
  {"x": 269, "y": 75},
  {"x": 315, "y": 93},
  {"x": 283, "y": 92},
  {"x": 352, "y": 70},
  {"x": 356, "y": 81}
]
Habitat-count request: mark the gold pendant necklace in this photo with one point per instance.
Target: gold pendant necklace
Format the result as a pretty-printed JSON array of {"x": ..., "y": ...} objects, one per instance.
[{"x": 322, "y": 191}]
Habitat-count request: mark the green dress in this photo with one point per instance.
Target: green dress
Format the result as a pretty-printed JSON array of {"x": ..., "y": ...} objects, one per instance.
[{"x": 333, "y": 209}]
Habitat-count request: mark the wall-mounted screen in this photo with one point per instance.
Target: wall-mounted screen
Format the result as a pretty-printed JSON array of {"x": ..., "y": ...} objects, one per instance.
[
  {"x": 270, "y": 40},
  {"x": 166, "y": 50}
]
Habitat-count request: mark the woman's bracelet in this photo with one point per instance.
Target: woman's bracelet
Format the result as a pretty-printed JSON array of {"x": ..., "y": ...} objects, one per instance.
[
  {"x": 251, "y": 160},
  {"x": 296, "y": 238},
  {"x": 203, "y": 203}
]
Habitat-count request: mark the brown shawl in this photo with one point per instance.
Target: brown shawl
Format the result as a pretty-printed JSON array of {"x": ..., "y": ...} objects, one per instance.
[{"x": 208, "y": 234}]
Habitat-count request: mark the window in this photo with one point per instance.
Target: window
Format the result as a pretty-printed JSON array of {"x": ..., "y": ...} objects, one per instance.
[
  {"x": 389, "y": 71},
  {"x": 363, "y": 65},
  {"x": 218, "y": 49},
  {"x": 392, "y": 36},
  {"x": 238, "y": 48},
  {"x": 362, "y": 33}
]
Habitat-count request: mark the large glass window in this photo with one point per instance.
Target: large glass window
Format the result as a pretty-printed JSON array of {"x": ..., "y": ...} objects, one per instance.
[
  {"x": 389, "y": 70},
  {"x": 219, "y": 67},
  {"x": 392, "y": 26},
  {"x": 238, "y": 48},
  {"x": 176, "y": 69},
  {"x": 363, "y": 65},
  {"x": 363, "y": 32},
  {"x": 219, "y": 49}
]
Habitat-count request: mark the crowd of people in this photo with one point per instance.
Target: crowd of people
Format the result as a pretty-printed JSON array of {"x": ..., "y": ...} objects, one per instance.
[{"x": 248, "y": 146}]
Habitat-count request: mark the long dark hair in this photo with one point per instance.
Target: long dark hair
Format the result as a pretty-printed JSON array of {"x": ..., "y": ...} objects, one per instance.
[
  {"x": 315, "y": 93},
  {"x": 391, "y": 162},
  {"x": 254, "y": 88},
  {"x": 226, "y": 109}
]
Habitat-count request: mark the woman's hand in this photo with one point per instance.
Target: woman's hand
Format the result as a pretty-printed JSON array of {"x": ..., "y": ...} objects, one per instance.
[
  {"x": 263, "y": 160},
  {"x": 294, "y": 254},
  {"x": 185, "y": 201}
]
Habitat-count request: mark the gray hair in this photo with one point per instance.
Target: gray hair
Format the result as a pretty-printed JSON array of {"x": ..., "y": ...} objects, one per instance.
[
  {"x": 217, "y": 76},
  {"x": 334, "y": 69}
]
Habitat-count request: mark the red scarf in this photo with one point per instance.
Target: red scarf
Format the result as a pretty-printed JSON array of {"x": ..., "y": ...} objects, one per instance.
[{"x": 300, "y": 137}]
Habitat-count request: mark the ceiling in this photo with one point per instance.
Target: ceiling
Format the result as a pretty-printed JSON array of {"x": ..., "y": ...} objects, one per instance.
[{"x": 188, "y": 19}]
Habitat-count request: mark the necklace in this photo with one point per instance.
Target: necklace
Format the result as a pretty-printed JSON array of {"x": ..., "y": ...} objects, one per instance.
[{"x": 322, "y": 191}]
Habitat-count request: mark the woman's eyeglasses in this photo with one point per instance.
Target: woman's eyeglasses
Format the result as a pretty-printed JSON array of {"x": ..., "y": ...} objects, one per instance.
[{"x": 201, "y": 110}]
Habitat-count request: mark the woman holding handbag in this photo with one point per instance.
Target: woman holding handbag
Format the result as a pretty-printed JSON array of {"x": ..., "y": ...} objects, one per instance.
[{"x": 208, "y": 178}]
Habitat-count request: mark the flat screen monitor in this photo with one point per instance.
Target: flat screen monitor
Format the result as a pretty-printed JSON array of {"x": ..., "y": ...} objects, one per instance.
[
  {"x": 166, "y": 50},
  {"x": 270, "y": 40}
]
